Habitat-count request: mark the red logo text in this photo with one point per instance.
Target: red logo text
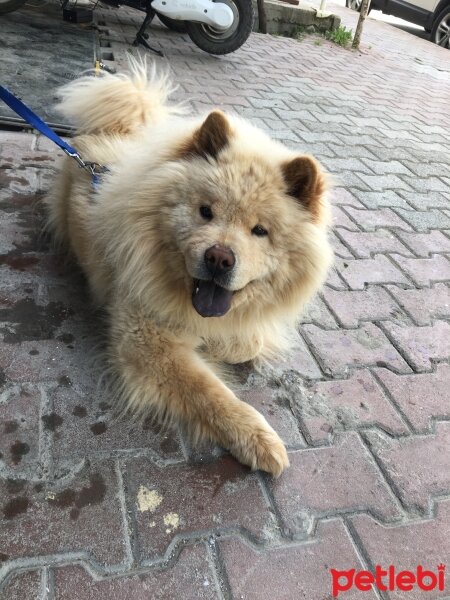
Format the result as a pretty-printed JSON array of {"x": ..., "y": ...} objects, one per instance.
[{"x": 387, "y": 580}]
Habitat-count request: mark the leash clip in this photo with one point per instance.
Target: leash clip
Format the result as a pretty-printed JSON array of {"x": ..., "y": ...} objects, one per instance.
[
  {"x": 94, "y": 168},
  {"x": 37, "y": 123},
  {"x": 78, "y": 158}
]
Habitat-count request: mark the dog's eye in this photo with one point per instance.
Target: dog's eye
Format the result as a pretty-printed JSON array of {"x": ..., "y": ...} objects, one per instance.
[
  {"x": 206, "y": 212},
  {"x": 259, "y": 231}
]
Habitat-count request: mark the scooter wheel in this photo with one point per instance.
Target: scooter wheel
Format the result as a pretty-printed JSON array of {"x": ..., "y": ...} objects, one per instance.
[
  {"x": 173, "y": 24},
  {"x": 216, "y": 41}
]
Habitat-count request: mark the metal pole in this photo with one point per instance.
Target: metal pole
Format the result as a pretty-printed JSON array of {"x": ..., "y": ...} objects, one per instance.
[{"x": 322, "y": 12}]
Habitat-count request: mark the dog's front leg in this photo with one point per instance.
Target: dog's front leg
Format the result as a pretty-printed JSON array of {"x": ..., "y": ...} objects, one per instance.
[
  {"x": 234, "y": 350},
  {"x": 161, "y": 372}
]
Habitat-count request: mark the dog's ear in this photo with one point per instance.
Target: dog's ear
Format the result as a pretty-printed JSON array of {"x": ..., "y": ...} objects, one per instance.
[
  {"x": 305, "y": 182},
  {"x": 213, "y": 135}
]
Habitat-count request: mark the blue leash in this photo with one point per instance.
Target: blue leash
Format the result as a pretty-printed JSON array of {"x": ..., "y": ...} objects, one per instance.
[{"x": 37, "y": 123}]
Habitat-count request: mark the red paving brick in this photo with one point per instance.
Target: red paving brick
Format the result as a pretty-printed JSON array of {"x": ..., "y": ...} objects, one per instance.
[
  {"x": 425, "y": 543},
  {"x": 424, "y": 244},
  {"x": 295, "y": 571},
  {"x": 421, "y": 398},
  {"x": 338, "y": 247},
  {"x": 180, "y": 499},
  {"x": 407, "y": 462},
  {"x": 317, "y": 312},
  {"x": 364, "y": 245},
  {"x": 191, "y": 578},
  {"x": 372, "y": 304},
  {"x": 422, "y": 345},
  {"x": 88, "y": 502},
  {"x": 88, "y": 428},
  {"x": 277, "y": 412},
  {"x": 299, "y": 359},
  {"x": 20, "y": 424},
  {"x": 22, "y": 586},
  {"x": 347, "y": 469},
  {"x": 424, "y": 271},
  {"x": 358, "y": 402},
  {"x": 359, "y": 273},
  {"x": 38, "y": 519},
  {"x": 425, "y": 304},
  {"x": 334, "y": 281},
  {"x": 367, "y": 345}
]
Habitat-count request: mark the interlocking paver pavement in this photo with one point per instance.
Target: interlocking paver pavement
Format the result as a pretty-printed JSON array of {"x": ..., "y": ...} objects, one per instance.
[
  {"x": 424, "y": 542},
  {"x": 92, "y": 506}
]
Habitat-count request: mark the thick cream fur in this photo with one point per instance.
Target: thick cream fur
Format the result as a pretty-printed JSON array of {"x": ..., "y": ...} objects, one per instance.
[{"x": 141, "y": 240}]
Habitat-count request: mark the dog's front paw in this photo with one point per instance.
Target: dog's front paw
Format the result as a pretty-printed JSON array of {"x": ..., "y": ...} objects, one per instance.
[
  {"x": 270, "y": 454},
  {"x": 262, "y": 449}
]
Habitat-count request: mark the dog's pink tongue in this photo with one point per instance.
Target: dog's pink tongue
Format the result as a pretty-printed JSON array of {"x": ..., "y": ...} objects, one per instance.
[{"x": 211, "y": 300}]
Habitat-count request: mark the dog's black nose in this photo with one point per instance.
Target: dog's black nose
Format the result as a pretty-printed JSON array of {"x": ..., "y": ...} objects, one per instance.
[{"x": 219, "y": 260}]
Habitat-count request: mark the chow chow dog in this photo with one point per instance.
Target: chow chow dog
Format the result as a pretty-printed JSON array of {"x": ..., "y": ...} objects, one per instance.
[{"x": 203, "y": 242}]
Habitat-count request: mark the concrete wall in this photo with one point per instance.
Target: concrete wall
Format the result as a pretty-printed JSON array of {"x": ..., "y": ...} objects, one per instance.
[{"x": 284, "y": 19}]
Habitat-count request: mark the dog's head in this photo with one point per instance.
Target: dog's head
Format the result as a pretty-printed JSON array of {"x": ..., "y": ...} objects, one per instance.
[{"x": 248, "y": 217}]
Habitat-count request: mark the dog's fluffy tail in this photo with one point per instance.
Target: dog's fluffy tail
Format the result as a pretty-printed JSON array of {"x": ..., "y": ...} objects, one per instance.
[{"x": 119, "y": 103}]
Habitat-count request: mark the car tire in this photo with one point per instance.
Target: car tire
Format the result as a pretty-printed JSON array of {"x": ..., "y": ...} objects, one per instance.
[{"x": 440, "y": 33}]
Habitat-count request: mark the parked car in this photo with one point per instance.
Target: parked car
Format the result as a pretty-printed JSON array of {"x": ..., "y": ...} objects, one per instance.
[{"x": 433, "y": 15}]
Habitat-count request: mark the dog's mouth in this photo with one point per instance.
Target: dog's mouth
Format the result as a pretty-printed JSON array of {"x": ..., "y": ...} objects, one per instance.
[{"x": 210, "y": 299}]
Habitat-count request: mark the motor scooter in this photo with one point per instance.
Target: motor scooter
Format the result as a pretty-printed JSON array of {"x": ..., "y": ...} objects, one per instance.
[{"x": 217, "y": 27}]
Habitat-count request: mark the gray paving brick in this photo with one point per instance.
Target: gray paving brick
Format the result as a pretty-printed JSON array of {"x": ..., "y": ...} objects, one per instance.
[
  {"x": 360, "y": 273},
  {"x": 370, "y": 220},
  {"x": 425, "y": 201},
  {"x": 314, "y": 137},
  {"x": 386, "y": 182},
  {"x": 421, "y": 345},
  {"x": 362, "y": 140},
  {"x": 381, "y": 199},
  {"x": 340, "y": 195},
  {"x": 424, "y": 304},
  {"x": 367, "y": 244},
  {"x": 339, "y": 248},
  {"x": 372, "y": 304},
  {"x": 423, "y": 221},
  {"x": 336, "y": 165},
  {"x": 428, "y": 169},
  {"x": 430, "y": 184},
  {"x": 387, "y": 154},
  {"x": 268, "y": 103},
  {"x": 342, "y": 220},
  {"x": 350, "y": 179},
  {"x": 424, "y": 271},
  {"x": 424, "y": 244},
  {"x": 383, "y": 167},
  {"x": 342, "y": 349},
  {"x": 317, "y": 312}
]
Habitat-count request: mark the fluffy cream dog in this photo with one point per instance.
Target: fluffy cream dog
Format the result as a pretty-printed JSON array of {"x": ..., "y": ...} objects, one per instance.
[{"x": 203, "y": 241}]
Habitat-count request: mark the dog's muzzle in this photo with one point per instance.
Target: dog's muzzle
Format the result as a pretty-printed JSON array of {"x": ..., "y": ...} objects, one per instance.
[{"x": 209, "y": 298}]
